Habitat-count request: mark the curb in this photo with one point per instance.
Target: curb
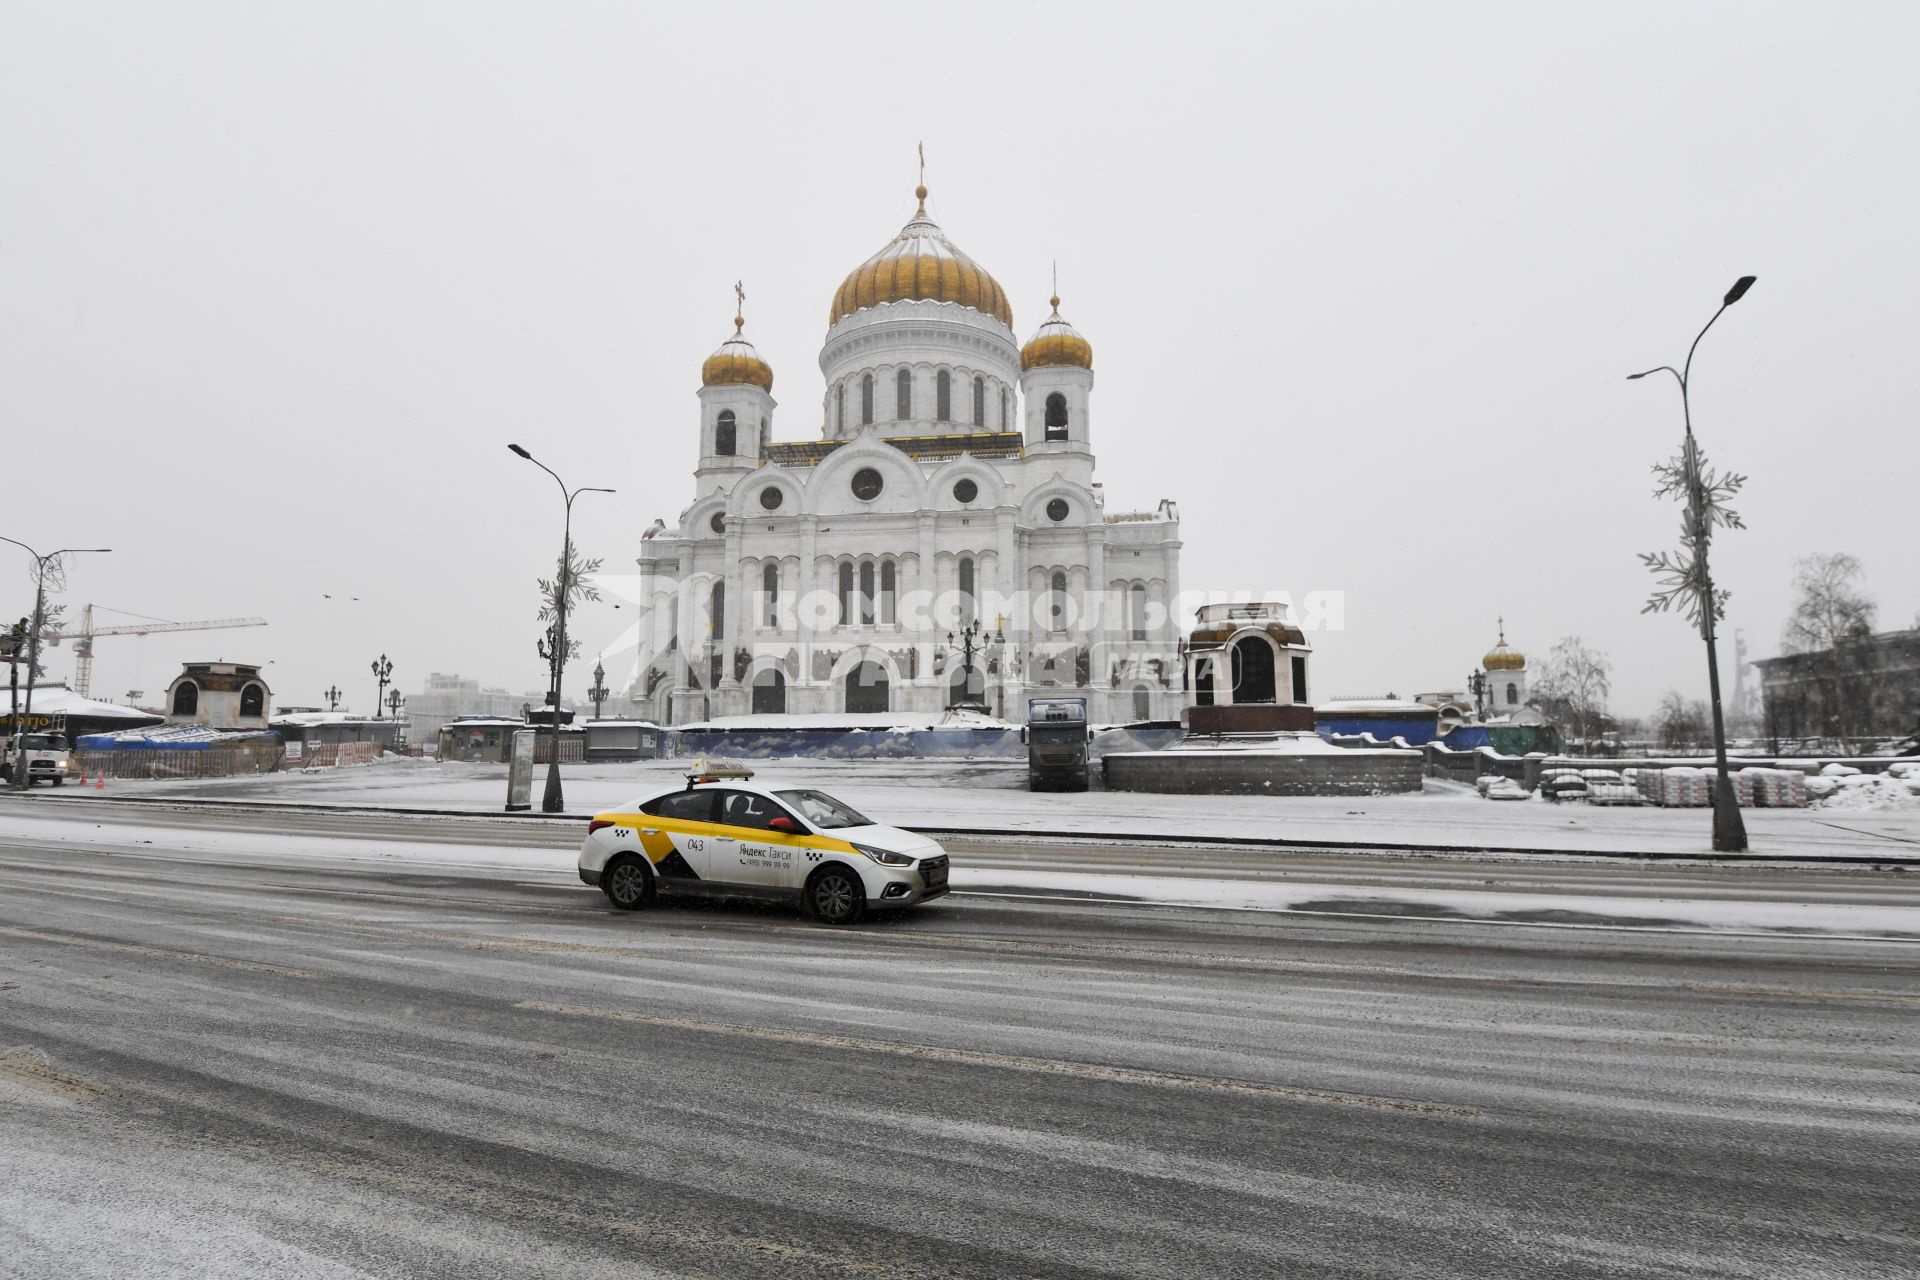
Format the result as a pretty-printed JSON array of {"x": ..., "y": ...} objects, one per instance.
[{"x": 1075, "y": 837}]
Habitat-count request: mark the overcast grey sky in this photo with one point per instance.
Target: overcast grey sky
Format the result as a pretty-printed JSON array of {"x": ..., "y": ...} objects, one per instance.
[{"x": 278, "y": 282}]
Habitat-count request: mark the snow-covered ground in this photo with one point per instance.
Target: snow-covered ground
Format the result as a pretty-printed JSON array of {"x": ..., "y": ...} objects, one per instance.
[{"x": 974, "y": 794}]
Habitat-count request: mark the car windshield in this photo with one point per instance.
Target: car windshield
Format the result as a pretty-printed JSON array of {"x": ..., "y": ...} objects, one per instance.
[
  {"x": 46, "y": 742},
  {"x": 822, "y": 810}
]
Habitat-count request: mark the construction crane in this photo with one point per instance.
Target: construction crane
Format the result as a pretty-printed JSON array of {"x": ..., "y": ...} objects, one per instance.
[{"x": 86, "y": 633}]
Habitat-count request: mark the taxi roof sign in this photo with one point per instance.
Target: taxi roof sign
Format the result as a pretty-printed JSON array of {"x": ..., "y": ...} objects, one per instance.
[{"x": 703, "y": 771}]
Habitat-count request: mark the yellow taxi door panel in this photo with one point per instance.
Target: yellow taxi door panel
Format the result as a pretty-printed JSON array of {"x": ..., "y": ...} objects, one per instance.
[
  {"x": 756, "y": 855},
  {"x": 683, "y": 822}
]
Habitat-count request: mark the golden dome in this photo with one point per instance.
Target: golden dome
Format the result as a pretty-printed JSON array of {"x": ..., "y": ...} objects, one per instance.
[
  {"x": 920, "y": 265},
  {"x": 1503, "y": 656},
  {"x": 1056, "y": 343},
  {"x": 737, "y": 363}
]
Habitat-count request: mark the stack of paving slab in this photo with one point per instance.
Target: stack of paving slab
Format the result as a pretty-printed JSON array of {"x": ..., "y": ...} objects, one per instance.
[
  {"x": 1681, "y": 787},
  {"x": 1770, "y": 788}
]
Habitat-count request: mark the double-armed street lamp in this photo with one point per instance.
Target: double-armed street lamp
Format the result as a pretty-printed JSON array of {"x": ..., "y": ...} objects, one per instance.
[
  {"x": 393, "y": 702},
  {"x": 1729, "y": 828},
  {"x": 556, "y": 651},
  {"x": 332, "y": 696},
  {"x": 382, "y": 672},
  {"x": 34, "y": 628}
]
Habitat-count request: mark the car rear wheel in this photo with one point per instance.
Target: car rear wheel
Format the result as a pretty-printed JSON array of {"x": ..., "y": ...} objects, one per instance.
[
  {"x": 836, "y": 896},
  {"x": 627, "y": 883}
]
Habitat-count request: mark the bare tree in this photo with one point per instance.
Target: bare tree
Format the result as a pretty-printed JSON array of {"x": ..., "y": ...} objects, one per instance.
[
  {"x": 1832, "y": 624},
  {"x": 1682, "y": 721},
  {"x": 1572, "y": 688}
]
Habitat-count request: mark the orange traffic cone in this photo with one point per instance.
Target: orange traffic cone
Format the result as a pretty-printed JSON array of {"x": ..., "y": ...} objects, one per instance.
[{"x": 100, "y": 783}]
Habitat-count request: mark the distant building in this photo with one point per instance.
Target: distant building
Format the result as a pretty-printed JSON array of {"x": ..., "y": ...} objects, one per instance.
[
  {"x": 1870, "y": 688},
  {"x": 450, "y": 698},
  {"x": 219, "y": 695},
  {"x": 1504, "y": 669}
]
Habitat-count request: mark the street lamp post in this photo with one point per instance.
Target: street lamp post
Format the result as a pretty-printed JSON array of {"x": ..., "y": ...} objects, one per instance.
[
  {"x": 382, "y": 672},
  {"x": 34, "y": 628},
  {"x": 332, "y": 696},
  {"x": 393, "y": 702},
  {"x": 599, "y": 691},
  {"x": 552, "y": 801},
  {"x": 1729, "y": 828}
]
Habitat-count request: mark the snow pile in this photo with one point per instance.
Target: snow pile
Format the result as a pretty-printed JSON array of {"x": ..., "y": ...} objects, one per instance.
[
  {"x": 1897, "y": 788},
  {"x": 1494, "y": 787}
]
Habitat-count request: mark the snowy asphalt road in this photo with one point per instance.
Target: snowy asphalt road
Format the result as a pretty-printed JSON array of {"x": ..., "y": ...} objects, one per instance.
[{"x": 224, "y": 1063}]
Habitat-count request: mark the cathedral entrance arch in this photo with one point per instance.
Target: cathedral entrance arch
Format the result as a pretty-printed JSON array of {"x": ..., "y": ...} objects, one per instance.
[
  {"x": 1253, "y": 675},
  {"x": 867, "y": 689},
  {"x": 770, "y": 693}
]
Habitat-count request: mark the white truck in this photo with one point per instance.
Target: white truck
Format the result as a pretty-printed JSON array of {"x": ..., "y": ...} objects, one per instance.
[{"x": 46, "y": 757}]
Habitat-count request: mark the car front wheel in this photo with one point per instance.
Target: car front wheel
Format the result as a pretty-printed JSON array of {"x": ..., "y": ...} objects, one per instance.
[
  {"x": 627, "y": 884},
  {"x": 836, "y": 896}
]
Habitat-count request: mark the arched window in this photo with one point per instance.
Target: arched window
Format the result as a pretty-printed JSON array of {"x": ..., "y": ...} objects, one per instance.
[
  {"x": 840, "y": 407},
  {"x": 867, "y": 593},
  {"x": 1056, "y": 417},
  {"x": 966, "y": 686},
  {"x": 866, "y": 400},
  {"x": 186, "y": 699},
  {"x": 903, "y": 394},
  {"x": 770, "y": 587},
  {"x": 1057, "y": 601},
  {"x": 769, "y": 693},
  {"x": 846, "y": 593},
  {"x": 966, "y": 590},
  {"x": 888, "y": 584},
  {"x": 867, "y": 689},
  {"x": 979, "y": 401},
  {"x": 723, "y": 433},
  {"x": 253, "y": 701},
  {"x": 1253, "y": 673},
  {"x": 1513, "y": 695},
  {"x": 1299, "y": 678},
  {"x": 1003, "y": 408},
  {"x": 717, "y": 610},
  {"x": 1142, "y": 702},
  {"x": 1137, "y": 611},
  {"x": 943, "y": 396}
]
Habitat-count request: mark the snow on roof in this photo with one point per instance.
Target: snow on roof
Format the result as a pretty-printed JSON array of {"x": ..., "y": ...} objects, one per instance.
[
  {"x": 880, "y": 721},
  {"x": 620, "y": 720},
  {"x": 330, "y": 717},
  {"x": 56, "y": 699},
  {"x": 1351, "y": 705}
]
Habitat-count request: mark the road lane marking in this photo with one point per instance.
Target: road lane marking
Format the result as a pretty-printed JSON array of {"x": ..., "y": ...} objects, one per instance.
[
  {"x": 159, "y": 953},
  {"x": 1014, "y": 1062}
]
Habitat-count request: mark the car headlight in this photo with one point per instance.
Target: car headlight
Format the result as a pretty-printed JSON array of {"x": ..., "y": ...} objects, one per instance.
[{"x": 885, "y": 857}]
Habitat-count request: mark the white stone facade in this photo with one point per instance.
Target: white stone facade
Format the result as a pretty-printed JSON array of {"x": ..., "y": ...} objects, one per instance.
[{"x": 842, "y": 566}]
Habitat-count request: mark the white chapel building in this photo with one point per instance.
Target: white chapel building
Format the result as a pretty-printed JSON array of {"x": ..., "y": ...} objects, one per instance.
[{"x": 951, "y": 488}]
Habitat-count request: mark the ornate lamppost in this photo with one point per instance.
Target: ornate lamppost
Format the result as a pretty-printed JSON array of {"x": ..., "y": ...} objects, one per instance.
[
  {"x": 556, "y": 651},
  {"x": 332, "y": 696},
  {"x": 1729, "y": 828},
  {"x": 1477, "y": 685},
  {"x": 971, "y": 642},
  {"x": 393, "y": 703},
  {"x": 382, "y": 672},
  {"x": 599, "y": 691}
]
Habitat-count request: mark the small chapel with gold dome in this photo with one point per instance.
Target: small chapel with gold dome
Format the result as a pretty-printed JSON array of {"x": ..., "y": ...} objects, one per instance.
[{"x": 941, "y": 541}]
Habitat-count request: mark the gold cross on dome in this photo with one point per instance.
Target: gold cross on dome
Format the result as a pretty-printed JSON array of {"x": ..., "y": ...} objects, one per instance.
[{"x": 739, "y": 306}]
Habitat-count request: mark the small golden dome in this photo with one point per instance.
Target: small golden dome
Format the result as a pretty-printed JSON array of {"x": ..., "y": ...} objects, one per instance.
[
  {"x": 920, "y": 265},
  {"x": 1503, "y": 656},
  {"x": 737, "y": 363},
  {"x": 1056, "y": 344}
]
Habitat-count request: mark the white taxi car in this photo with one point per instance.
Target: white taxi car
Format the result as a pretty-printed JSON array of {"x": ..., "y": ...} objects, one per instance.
[{"x": 724, "y": 833}]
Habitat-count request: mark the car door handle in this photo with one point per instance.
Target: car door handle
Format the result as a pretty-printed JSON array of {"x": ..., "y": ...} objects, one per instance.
[{"x": 649, "y": 831}]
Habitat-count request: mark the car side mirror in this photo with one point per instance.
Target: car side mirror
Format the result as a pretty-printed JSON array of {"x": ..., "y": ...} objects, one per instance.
[{"x": 783, "y": 823}]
